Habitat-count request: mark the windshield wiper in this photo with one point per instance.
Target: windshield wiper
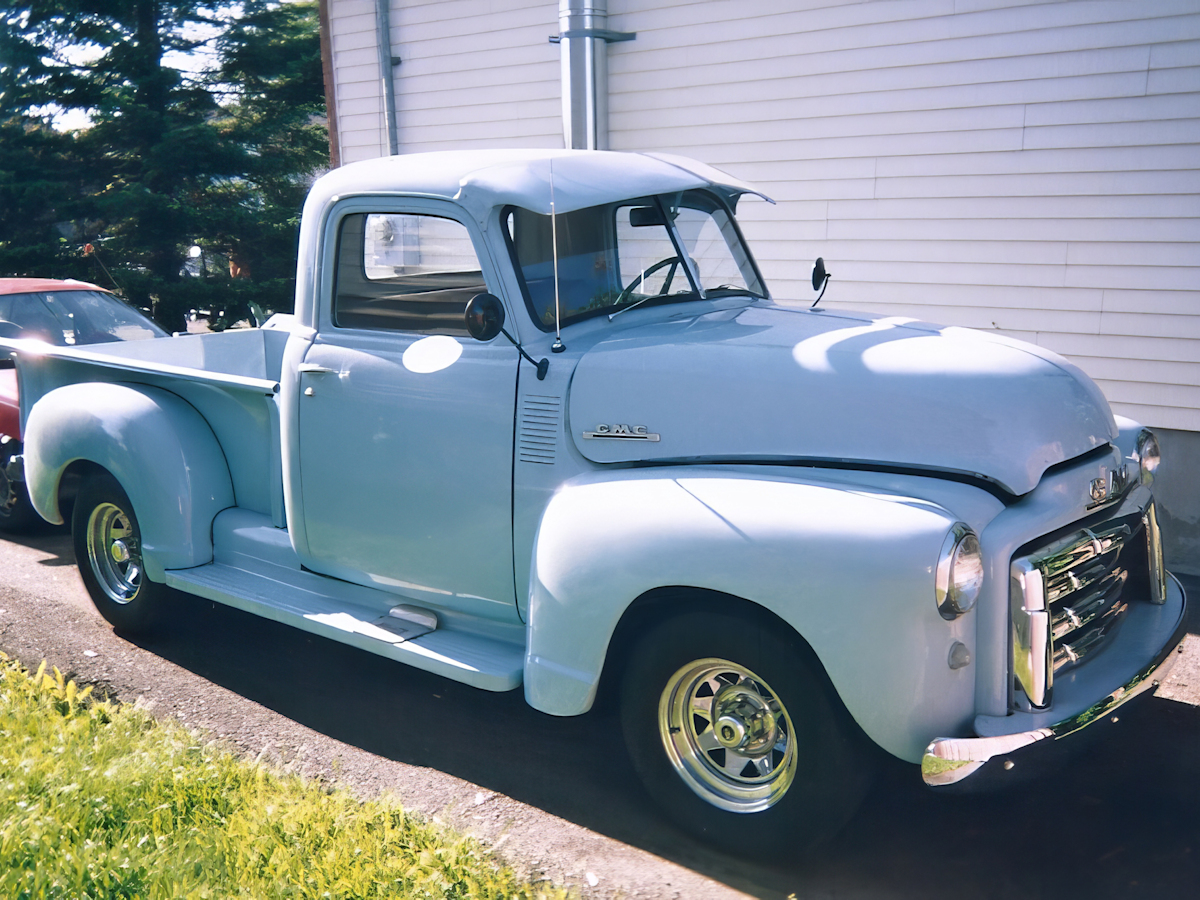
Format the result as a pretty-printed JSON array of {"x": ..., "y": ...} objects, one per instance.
[
  {"x": 613, "y": 315},
  {"x": 727, "y": 289},
  {"x": 673, "y": 298}
]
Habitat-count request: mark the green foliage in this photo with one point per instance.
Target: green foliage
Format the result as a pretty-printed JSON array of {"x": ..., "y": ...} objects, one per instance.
[
  {"x": 221, "y": 160},
  {"x": 39, "y": 181},
  {"x": 97, "y": 800}
]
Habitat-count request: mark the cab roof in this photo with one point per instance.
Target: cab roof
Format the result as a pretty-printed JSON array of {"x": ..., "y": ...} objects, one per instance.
[{"x": 481, "y": 180}]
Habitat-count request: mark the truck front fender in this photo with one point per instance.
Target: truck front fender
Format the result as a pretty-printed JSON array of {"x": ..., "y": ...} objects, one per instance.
[
  {"x": 852, "y": 571},
  {"x": 155, "y": 444}
]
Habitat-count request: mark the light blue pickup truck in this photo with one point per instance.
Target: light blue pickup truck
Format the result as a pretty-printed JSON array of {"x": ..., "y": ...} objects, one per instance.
[{"x": 538, "y": 422}]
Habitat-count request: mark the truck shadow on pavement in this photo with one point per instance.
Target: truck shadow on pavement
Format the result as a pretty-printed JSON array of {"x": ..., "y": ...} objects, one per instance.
[{"x": 1120, "y": 819}]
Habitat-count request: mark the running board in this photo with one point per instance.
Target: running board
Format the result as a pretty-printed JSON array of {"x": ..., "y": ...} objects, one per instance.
[{"x": 363, "y": 617}]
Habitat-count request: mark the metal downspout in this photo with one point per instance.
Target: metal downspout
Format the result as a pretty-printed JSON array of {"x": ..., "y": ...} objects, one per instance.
[
  {"x": 383, "y": 41},
  {"x": 583, "y": 41}
]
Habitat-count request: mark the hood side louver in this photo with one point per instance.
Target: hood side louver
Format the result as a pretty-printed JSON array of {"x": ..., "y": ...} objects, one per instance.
[{"x": 538, "y": 439}]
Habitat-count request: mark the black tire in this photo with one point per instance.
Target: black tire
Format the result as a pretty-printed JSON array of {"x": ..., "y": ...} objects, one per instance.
[
  {"x": 731, "y": 726},
  {"x": 17, "y": 514},
  {"x": 108, "y": 545}
]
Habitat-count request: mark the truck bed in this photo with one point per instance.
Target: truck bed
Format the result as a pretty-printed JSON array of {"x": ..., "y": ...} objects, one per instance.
[
  {"x": 231, "y": 378},
  {"x": 245, "y": 358}
]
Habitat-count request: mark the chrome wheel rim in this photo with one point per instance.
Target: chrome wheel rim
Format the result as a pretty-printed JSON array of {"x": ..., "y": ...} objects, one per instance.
[
  {"x": 728, "y": 735},
  {"x": 114, "y": 553}
]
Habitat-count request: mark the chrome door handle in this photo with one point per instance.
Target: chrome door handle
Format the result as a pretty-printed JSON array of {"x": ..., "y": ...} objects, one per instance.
[{"x": 314, "y": 369}]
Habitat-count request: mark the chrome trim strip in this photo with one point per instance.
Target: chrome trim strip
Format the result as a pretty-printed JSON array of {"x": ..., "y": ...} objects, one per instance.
[
  {"x": 1154, "y": 550},
  {"x": 1032, "y": 664},
  {"x": 1084, "y": 611},
  {"x": 951, "y": 760},
  {"x": 622, "y": 433},
  {"x": 1066, "y": 654},
  {"x": 1083, "y": 546}
]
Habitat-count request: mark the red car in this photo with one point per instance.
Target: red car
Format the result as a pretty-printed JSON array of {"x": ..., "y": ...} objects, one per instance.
[{"x": 57, "y": 312}]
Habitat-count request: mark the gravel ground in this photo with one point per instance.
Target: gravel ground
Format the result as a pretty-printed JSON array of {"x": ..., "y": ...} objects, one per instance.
[{"x": 45, "y": 614}]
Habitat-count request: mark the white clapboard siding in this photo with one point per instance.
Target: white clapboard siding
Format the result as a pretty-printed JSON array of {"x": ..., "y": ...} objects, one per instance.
[
  {"x": 356, "y": 87},
  {"x": 1025, "y": 166},
  {"x": 470, "y": 74}
]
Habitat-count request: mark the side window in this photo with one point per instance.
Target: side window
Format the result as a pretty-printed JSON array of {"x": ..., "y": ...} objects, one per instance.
[{"x": 403, "y": 272}]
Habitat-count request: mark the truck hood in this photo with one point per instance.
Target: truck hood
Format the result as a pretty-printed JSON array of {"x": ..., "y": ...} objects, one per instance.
[{"x": 770, "y": 384}]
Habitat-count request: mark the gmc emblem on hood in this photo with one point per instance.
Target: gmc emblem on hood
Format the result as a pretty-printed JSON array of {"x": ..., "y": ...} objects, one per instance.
[
  {"x": 622, "y": 433},
  {"x": 1109, "y": 486}
]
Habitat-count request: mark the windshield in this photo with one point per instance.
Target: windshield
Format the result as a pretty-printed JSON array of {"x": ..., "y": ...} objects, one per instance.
[
  {"x": 73, "y": 317},
  {"x": 667, "y": 248}
]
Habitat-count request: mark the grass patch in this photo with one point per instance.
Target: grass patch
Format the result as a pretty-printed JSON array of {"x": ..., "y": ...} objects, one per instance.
[{"x": 99, "y": 800}]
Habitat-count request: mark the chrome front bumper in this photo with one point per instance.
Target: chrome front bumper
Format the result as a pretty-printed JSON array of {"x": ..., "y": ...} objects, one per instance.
[{"x": 1145, "y": 651}]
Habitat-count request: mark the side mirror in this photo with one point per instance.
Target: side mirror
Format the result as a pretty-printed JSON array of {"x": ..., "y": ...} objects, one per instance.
[
  {"x": 485, "y": 320},
  {"x": 819, "y": 275},
  {"x": 485, "y": 316}
]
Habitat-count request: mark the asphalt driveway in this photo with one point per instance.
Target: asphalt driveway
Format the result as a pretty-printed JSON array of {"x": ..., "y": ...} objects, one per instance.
[{"x": 556, "y": 796}]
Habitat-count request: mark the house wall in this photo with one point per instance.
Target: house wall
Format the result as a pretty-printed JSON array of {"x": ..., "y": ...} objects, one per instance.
[
  {"x": 1025, "y": 166},
  {"x": 472, "y": 74},
  {"x": 357, "y": 87},
  {"x": 1175, "y": 486}
]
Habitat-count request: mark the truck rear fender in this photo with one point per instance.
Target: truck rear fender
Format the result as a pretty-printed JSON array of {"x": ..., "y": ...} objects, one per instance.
[
  {"x": 852, "y": 571},
  {"x": 155, "y": 444}
]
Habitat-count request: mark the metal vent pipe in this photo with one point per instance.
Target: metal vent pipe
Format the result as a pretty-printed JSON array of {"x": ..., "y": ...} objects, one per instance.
[
  {"x": 383, "y": 42},
  {"x": 583, "y": 41}
]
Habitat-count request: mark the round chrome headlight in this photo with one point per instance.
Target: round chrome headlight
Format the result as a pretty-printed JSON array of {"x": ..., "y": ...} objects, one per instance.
[
  {"x": 959, "y": 572},
  {"x": 1149, "y": 455}
]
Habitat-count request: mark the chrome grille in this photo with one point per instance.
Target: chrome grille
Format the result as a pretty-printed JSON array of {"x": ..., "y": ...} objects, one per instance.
[
  {"x": 1084, "y": 583},
  {"x": 1069, "y": 594}
]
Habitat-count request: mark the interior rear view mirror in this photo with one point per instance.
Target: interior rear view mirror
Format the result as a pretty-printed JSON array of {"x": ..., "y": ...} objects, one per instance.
[{"x": 644, "y": 216}]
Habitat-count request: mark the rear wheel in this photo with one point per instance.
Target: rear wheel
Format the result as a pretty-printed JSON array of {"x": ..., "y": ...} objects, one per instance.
[
  {"x": 108, "y": 551},
  {"x": 731, "y": 727}
]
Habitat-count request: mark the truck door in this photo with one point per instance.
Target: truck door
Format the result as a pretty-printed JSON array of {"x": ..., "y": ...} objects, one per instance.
[{"x": 405, "y": 421}]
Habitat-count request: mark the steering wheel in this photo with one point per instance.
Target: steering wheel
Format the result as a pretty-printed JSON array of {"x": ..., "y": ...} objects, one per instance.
[{"x": 672, "y": 261}]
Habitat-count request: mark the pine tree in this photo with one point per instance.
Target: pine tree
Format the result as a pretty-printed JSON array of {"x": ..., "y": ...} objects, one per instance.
[
  {"x": 40, "y": 179},
  {"x": 171, "y": 159},
  {"x": 273, "y": 108}
]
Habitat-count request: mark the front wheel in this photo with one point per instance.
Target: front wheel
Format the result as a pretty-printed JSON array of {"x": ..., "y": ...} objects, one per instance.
[
  {"x": 108, "y": 551},
  {"x": 731, "y": 727}
]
